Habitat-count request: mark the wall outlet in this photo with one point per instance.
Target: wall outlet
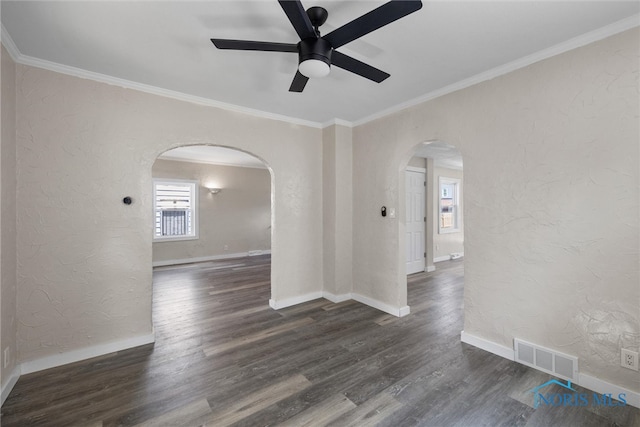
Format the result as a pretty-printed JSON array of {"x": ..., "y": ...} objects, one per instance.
[
  {"x": 226, "y": 247},
  {"x": 629, "y": 359},
  {"x": 6, "y": 357}
]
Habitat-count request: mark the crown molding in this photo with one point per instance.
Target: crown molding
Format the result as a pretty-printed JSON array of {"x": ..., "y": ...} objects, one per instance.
[
  {"x": 8, "y": 43},
  {"x": 20, "y": 58},
  {"x": 574, "y": 43},
  {"x": 337, "y": 122}
]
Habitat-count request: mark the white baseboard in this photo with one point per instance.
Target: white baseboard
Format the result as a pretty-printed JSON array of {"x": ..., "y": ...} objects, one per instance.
[
  {"x": 71, "y": 357},
  {"x": 400, "y": 312},
  {"x": 336, "y": 298},
  {"x": 288, "y": 302},
  {"x": 604, "y": 387},
  {"x": 209, "y": 258},
  {"x": 486, "y": 345},
  {"x": 8, "y": 385},
  {"x": 584, "y": 380},
  {"x": 84, "y": 353},
  {"x": 430, "y": 268},
  {"x": 455, "y": 255},
  {"x": 396, "y": 311}
]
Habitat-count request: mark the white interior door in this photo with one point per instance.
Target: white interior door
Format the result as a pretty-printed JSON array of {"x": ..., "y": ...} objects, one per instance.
[{"x": 415, "y": 219}]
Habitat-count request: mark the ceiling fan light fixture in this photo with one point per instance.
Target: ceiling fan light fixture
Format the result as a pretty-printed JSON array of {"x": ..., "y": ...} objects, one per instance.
[
  {"x": 314, "y": 68},
  {"x": 314, "y": 59}
]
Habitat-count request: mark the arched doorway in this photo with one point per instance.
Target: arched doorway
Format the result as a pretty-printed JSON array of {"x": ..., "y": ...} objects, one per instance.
[
  {"x": 226, "y": 214},
  {"x": 210, "y": 203},
  {"x": 439, "y": 165}
]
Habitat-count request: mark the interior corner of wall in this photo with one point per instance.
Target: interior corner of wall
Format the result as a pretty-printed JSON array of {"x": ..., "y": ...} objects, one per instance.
[{"x": 9, "y": 383}]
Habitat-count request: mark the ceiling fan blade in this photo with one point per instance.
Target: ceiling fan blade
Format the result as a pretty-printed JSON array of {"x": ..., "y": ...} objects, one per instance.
[
  {"x": 253, "y": 45},
  {"x": 298, "y": 17},
  {"x": 348, "y": 63},
  {"x": 371, "y": 21},
  {"x": 299, "y": 82}
]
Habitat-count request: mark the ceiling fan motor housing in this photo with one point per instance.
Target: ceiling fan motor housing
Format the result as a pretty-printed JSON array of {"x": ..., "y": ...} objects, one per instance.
[{"x": 314, "y": 48}]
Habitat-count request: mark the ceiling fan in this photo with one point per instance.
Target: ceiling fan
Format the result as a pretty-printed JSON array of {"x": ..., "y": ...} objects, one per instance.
[{"x": 317, "y": 53}]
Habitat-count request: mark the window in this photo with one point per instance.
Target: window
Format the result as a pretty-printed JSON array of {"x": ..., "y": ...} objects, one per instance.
[
  {"x": 448, "y": 205},
  {"x": 175, "y": 210}
]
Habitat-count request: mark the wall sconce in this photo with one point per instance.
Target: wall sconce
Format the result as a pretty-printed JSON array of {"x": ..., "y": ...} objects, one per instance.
[{"x": 215, "y": 190}]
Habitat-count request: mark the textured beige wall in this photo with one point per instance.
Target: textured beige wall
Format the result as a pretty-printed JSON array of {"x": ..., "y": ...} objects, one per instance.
[
  {"x": 344, "y": 209},
  {"x": 238, "y": 218},
  {"x": 8, "y": 262},
  {"x": 337, "y": 206},
  {"x": 329, "y": 208},
  {"x": 417, "y": 162},
  {"x": 84, "y": 256},
  {"x": 551, "y": 164},
  {"x": 447, "y": 243}
]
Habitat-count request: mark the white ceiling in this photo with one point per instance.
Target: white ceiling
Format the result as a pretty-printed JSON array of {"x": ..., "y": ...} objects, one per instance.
[
  {"x": 165, "y": 45},
  {"x": 443, "y": 154},
  {"x": 213, "y": 155}
]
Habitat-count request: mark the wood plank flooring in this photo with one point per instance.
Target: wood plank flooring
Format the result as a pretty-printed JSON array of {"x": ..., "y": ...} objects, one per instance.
[{"x": 223, "y": 357}]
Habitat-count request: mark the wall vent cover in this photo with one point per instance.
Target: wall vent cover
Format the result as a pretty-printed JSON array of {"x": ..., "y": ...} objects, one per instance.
[{"x": 546, "y": 360}]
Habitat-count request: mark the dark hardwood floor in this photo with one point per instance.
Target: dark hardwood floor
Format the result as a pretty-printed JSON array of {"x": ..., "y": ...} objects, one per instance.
[{"x": 222, "y": 356}]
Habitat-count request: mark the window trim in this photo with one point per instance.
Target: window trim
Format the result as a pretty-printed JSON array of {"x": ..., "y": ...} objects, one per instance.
[
  {"x": 456, "y": 202},
  {"x": 195, "y": 190}
]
